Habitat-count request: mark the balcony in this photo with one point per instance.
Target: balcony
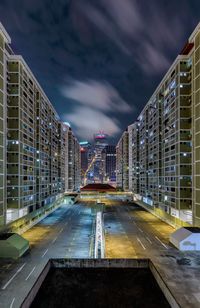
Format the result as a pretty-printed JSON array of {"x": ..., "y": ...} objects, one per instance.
[
  {"x": 185, "y": 89},
  {"x": 13, "y": 66},
  {"x": 185, "y": 193},
  {"x": 13, "y": 89},
  {"x": 13, "y": 78},
  {"x": 13, "y": 112},
  {"x": 13, "y": 124},
  {"x": 12, "y": 169},
  {"x": 185, "y": 113},
  {"x": 185, "y": 135},
  {"x": 185, "y": 170},
  {"x": 185, "y": 147},
  {"x": 12, "y": 181},
  {"x": 185, "y": 159},
  {"x": 185, "y": 124},
  {"x": 185, "y": 101}
]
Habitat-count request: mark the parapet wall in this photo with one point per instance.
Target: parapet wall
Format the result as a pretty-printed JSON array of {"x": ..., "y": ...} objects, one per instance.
[{"x": 100, "y": 263}]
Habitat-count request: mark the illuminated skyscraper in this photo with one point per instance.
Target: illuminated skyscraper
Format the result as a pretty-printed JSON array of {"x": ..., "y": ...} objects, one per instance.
[{"x": 109, "y": 158}]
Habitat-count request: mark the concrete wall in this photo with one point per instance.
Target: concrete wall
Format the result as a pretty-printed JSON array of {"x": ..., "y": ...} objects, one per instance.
[{"x": 101, "y": 263}]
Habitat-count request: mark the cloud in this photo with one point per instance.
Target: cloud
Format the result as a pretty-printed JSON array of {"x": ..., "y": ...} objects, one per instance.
[
  {"x": 130, "y": 23},
  {"x": 97, "y": 95},
  {"x": 94, "y": 102},
  {"x": 153, "y": 59},
  {"x": 87, "y": 121}
]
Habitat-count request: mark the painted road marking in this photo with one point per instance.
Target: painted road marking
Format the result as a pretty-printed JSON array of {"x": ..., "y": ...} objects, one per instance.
[
  {"x": 197, "y": 296},
  {"x": 54, "y": 240},
  {"x": 30, "y": 273},
  {"x": 161, "y": 242},
  {"x": 66, "y": 223},
  {"x": 44, "y": 253},
  {"x": 11, "y": 305},
  {"x": 141, "y": 243},
  {"x": 61, "y": 230},
  {"x": 11, "y": 279},
  {"x": 148, "y": 239},
  {"x": 140, "y": 230}
]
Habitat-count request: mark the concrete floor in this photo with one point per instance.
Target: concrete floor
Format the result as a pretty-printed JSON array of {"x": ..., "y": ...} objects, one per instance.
[
  {"x": 130, "y": 232},
  {"x": 66, "y": 233}
]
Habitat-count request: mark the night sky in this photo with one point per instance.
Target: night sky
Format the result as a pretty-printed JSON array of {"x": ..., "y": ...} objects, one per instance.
[{"x": 99, "y": 61}]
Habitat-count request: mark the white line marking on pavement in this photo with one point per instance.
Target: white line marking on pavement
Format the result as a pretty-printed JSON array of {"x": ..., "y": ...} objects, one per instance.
[
  {"x": 148, "y": 239},
  {"x": 54, "y": 240},
  {"x": 141, "y": 243},
  {"x": 44, "y": 253},
  {"x": 61, "y": 230},
  {"x": 9, "y": 281},
  {"x": 140, "y": 230},
  {"x": 161, "y": 242},
  {"x": 30, "y": 273},
  {"x": 11, "y": 305},
  {"x": 66, "y": 223}
]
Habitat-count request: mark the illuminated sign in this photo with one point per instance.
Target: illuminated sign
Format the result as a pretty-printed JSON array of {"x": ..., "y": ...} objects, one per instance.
[
  {"x": 83, "y": 142},
  {"x": 100, "y": 136}
]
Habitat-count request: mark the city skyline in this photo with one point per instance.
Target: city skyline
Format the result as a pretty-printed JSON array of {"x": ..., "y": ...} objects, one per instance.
[{"x": 89, "y": 59}]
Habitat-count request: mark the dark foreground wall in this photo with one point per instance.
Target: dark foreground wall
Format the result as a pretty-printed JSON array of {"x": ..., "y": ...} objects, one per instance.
[
  {"x": 99, "y": 287},
  {"x": 97, "y": 283}
]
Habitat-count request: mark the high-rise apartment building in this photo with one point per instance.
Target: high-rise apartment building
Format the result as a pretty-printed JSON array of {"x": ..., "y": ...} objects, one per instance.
[
  {"x": 164, "y": 142},
  {"x": 122, "y": 162},
  {"x": 74, "y": 162},
  {"x": 34, "y": 143},
  {"x": 4, "y": 41},
  {"x": 133, "y": 142},
  {"x": 109, "y": 160},
  {"x": 85, "y": 158}
]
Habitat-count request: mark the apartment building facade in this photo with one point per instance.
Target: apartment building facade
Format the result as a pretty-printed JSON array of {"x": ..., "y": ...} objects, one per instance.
[
  {"x": 133, "y": 144},
  {"x": 4, "y": 40},
  {"x": 164, "y": 142},
  {"x": 34, "y": 143},
  {"x": 74, "y": 163},
  {"x": 122, "y": 162}
]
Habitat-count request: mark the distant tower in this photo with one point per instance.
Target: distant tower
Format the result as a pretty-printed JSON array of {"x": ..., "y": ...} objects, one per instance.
[
  {"x": 100, "y": 142},
  {"x": 85, "y": 156},
  {"x": 109, "y": 157}
]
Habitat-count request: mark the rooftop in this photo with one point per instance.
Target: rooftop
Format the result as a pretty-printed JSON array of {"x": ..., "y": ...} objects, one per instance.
[{"x": 98, "y": 187}]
